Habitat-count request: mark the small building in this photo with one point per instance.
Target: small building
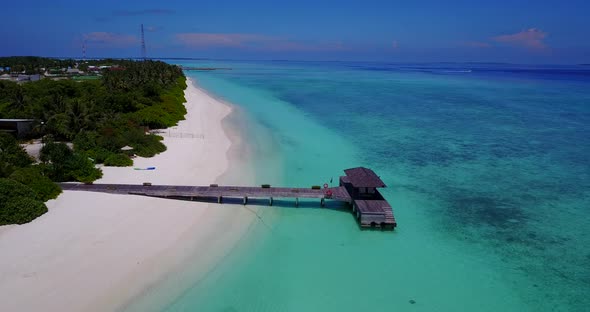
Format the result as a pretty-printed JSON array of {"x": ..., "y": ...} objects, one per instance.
[
  {"x": 6, "y": 77},
  {"x": 368, "y": 205},
  {"x": 35, "y": 77},
  {"x": 73, "y": 71},
  {"x": 23, "y": 78},
  {"x": 18, "y": 127},
  {"x": 54, "y": 71}
]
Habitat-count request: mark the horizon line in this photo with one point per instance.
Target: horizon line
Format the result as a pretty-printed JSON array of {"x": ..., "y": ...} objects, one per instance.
[{"x": 296, "y": 60}]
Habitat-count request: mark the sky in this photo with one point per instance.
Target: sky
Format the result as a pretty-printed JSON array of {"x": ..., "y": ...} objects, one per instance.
[{"x": 516, "y": 31}]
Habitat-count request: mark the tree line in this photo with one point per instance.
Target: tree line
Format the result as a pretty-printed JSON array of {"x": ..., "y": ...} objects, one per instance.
[
  {"x": 32, "y": 64},
  {"x": 99, "y": 117}
]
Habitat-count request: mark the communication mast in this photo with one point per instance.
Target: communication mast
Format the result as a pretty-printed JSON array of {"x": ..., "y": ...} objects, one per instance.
[
  {"x": 143, "y": 52},
  {"x": 84, "y": 49}
]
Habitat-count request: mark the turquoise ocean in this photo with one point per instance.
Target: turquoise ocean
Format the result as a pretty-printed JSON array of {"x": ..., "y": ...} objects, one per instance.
[{"x": 488, "y": 174}]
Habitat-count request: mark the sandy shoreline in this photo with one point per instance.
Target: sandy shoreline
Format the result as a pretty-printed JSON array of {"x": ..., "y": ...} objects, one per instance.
[{"x": 101, "y": 252}]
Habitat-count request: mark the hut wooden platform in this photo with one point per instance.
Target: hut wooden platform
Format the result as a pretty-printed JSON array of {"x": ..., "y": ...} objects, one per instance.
[{"x": 357, "y": 188}]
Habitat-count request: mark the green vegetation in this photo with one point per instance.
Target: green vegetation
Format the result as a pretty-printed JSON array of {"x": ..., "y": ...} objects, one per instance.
[
  {"x": 23, "y": 186},
  {"x": 118, "y": 160},
  {"x": 33, "y": 64},
  {"x": 62, "y": 164},
  {"x": 100, "y": 116},
  {"x": 12, "y": 156},
  {"x": 18, "y": 203},
  {"x": 34, "y": 178}
]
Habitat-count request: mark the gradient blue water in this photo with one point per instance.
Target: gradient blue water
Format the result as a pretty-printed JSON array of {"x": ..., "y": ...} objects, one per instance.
[{"x": 487, "y": 171}]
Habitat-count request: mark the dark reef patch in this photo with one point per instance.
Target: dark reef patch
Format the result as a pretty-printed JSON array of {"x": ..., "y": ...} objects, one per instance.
[{"x": 482, "y": 209}]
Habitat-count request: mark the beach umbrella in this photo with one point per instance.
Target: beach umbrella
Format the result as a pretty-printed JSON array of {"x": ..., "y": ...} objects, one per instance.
[{"x": 126, "y": 148}]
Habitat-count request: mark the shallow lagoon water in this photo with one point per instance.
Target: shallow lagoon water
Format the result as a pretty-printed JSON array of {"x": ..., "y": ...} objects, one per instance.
[{"x": 487, "y": 173}]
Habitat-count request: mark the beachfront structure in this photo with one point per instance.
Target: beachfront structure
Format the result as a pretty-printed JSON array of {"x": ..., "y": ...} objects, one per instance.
[
  {"x": 19, "y": 127},
  {"x": 73, "y": 71},
  {"x": 358, "y": 189},
  {"x": 20, "y": 77},
  {"x": 368, "y": 205}
]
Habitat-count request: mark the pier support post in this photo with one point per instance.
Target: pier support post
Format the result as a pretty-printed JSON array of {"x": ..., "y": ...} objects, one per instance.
[
  {"x": 322, "y": 202},
  {"x": 270, "y": 201},
  {"x": 296, "y": 202},
  {"x": 219, "y": 199},
  {"x": 245, "y": 200}
]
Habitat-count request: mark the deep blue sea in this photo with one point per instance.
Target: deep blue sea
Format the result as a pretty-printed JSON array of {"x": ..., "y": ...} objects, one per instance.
[{"x": 488, "y": 173}]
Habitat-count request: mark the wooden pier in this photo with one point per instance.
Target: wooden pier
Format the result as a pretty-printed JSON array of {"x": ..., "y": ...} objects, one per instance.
[{"x": 358, "y": 189}]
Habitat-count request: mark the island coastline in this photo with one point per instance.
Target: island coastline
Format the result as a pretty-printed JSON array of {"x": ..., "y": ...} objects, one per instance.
[{"x": 101, "y": 252}]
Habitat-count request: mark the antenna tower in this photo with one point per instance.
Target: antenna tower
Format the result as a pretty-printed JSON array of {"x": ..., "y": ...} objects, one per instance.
[
  {"x": 143, "y": 53},
  {"x": 84, "y": 49}
]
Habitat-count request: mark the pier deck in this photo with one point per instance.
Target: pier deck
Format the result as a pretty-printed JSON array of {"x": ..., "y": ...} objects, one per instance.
[
  {"x": 338, "y": 193},
  {"x": 358, "y": 189}
]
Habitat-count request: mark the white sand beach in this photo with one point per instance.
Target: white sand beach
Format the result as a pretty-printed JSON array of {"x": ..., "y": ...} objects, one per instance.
[{"x": 97, "y": 252}]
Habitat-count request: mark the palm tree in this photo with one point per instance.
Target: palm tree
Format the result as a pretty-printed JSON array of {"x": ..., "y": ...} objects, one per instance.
[
  {"x": 19, "y": 102},
  {"x": 81, "y": 115}
]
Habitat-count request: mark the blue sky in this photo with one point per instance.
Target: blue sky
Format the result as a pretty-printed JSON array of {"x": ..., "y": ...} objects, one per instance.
[{"x": 396, "y": 31}]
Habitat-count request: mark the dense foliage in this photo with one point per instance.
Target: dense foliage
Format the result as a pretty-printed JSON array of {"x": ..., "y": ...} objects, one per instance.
[
  {"x": 23, "y": 186},
  {"x": 34, "y": 178},
  {"x": 118, "y": 160},
  {"x": 62, "y": 164},
  {"x": 101, "y": 116},
  {"x": 18, "y": 203},
  {"x": 32, "y": 64},
  {"x": 20, "y": 210},
  {"x": 12, "y": 156},
  {"x": 98, "y": 116}
]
